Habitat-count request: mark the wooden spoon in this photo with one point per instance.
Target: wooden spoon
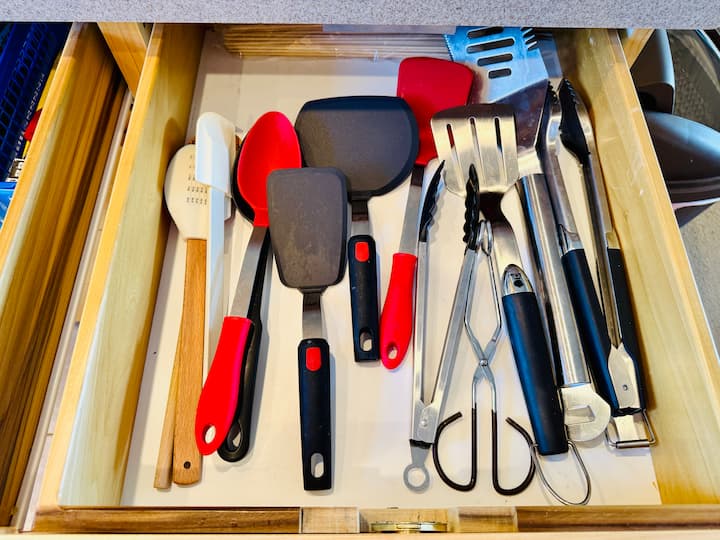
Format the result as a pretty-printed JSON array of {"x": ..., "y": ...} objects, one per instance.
[{"x": 187, "y": 203}]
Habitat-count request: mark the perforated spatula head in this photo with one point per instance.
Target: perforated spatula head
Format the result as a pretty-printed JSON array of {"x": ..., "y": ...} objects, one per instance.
[
  {"x": 372, "y": 140},
  {"x": 186, "y": 198},
  {"x": 430, "y": 85},
  {"x": 308, "y": 226}
]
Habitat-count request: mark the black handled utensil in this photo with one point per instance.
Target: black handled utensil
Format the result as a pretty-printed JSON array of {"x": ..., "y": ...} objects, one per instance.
[
  {"x": 308, "y": 227},
  {"x": 616, "y": 365},
  {"x": 373, "y": 140},
  {"x": 480, "y": 139}
]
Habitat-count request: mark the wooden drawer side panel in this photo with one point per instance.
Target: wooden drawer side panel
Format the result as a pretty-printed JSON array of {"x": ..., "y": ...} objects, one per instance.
[
  {"x": 169, "y": 520},
  {"x": 681, "y": 362},
  {"x": 43, "y": 237},
  {"x": 90, "y": 446}
]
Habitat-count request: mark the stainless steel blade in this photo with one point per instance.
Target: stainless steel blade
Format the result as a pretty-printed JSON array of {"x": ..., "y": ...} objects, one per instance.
[
  {"x": 243, "y": 291},
  {"x": 408, "y": 237}
]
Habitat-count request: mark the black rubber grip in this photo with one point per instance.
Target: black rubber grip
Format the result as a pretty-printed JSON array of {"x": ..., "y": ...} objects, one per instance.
[
  {"x": 627, "y": 319},
  {"x": 534, "y": 365},
  {"x": 591, "y": 323},
  {"x": 315, "y": 417},
  {"x": 362, "y": 265},
  {"x": 240, "y": 429}
]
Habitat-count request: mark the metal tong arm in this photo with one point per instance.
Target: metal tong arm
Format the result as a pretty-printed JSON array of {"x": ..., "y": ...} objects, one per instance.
[
  {"x": 426, "y": 420},
  {"x": 483, "y": 370},
  {"x": 567, "y": 231}
]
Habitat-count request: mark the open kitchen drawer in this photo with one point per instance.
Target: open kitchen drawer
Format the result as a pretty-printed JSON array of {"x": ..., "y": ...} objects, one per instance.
[
  {"x": 83, "y": 480},
  {"x": 42, "y": 239}
]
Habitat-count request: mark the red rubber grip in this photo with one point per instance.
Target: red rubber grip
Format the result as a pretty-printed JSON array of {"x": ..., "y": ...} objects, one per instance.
[
  {"x": 219, "y": 397},
  {"x": 396, "y": 320}
]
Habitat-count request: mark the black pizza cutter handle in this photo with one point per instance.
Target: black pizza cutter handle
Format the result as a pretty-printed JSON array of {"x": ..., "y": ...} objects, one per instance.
[
  {"x": 315, "y": 416},
  {"x": 533, "y": 362},
  {"x": 362, "y": 267}
]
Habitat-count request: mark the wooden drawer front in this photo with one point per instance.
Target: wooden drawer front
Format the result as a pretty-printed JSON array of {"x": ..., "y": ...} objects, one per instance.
[
  {"x": 43, "y": 236},
  {"x": 89, "y": 451}
]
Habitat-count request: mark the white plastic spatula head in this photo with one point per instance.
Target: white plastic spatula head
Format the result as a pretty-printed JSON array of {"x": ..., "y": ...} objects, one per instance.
[
  {"x": 186, "y": 198},
  {"x": 215, "y": 140}
]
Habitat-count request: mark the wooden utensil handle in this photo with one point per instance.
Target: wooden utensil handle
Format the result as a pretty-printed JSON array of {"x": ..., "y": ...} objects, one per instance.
[
  {"x": 187, "y": 460},
  {"x": 163, "y": 468}
]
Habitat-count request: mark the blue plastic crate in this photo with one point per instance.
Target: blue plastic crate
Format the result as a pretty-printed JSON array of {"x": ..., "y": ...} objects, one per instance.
[
  {"x": 27, "y": 56},
  {"x": 6, "y": 192}
]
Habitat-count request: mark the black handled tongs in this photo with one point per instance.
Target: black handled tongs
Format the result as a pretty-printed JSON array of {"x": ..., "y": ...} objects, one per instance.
[{"x": 620, "y": 379}]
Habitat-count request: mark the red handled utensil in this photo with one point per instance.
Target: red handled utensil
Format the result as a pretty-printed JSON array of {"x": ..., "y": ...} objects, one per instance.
[
  {"x": 428, "y": 85},
  {"x": 270, "y": 144}
]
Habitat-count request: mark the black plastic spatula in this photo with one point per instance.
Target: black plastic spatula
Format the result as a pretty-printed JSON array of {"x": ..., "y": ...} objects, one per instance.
[
  {"x": 308, "y": 228},
  {"x": 373, "y": 141}
]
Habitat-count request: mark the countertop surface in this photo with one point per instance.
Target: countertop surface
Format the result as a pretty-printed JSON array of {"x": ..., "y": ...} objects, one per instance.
[{"x": 565, "y": 13}]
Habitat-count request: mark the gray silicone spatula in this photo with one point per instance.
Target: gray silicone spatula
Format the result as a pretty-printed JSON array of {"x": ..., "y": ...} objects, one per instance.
[
  {"x": 373, "y": 141},
  {"x": 308, "y": 227}
]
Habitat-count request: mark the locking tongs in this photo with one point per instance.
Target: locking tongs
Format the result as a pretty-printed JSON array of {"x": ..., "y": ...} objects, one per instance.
[
  {"x": 619, "y": 380},
  {"x": 426, "y": 415}
]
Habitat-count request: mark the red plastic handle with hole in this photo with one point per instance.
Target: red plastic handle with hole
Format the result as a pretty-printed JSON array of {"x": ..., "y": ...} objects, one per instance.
[
  {"x": 396, "y": 321},
  {"x": 219, "y": 397}
]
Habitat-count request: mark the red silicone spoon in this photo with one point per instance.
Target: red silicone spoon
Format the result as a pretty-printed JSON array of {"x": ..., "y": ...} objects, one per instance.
[
  {"x": 270, "y": 144},
  {"x": 429, "y": 85}
]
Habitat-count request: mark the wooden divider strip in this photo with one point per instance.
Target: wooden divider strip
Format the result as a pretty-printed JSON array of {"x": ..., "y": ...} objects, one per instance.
[{"x": 42, "y": 239}]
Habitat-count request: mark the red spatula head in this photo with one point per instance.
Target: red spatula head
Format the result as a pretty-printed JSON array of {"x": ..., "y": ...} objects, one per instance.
[
  {"x": 270, "y": 144},
  {"x": 430, "y": 85}
]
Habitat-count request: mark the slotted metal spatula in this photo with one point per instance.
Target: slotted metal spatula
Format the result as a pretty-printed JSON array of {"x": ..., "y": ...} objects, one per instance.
[{"x": 505, "y": 59}]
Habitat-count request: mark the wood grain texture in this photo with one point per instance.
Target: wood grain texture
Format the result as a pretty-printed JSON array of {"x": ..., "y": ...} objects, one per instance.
[
  {"x": 335, "y": 520},
  {"x": 617, "y": 518},
  {"x": 42, "y": 239},
  {"x": 187, "y": 460},
  {"x": 311, "y": 41},
  {"x": 483, "y": 519},
  {"x": 163, "y": 467},
  {"x": 634, "y": 43},
  {"x": 677, "y": 534},
  {"x": 680, "y": 360},
  {"x": 128, "y": 44},
  {"x": 88, "y": 454},
  {"x": 169, "y": 520}
]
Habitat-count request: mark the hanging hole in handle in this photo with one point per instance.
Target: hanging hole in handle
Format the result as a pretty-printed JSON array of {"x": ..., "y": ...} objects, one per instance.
[
  {"x": 209, "y": 434},
  {"x": 416, "y": 478},
  {"x": 187, "y": 465},
  {"x": 317, "y": 465},
  {"x": 392, "y": 351},
  {"x": 366, "y": 340},
  {"x": 234, "y": 437}
]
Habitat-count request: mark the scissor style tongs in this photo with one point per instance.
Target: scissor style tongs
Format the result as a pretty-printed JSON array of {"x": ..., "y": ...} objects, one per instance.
[
  {"x": 426, "y": 415},
  {"x": 483, "y": 370},
  {"x": 615, "y": 362}
]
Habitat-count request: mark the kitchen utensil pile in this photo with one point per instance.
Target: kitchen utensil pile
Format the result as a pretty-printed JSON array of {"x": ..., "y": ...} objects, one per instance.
[{"x": 498, "y": 118}]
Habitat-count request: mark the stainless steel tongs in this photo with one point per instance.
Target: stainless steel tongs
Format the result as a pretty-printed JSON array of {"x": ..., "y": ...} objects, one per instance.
[
  {"x": 484, "y": 357},
  {"x": 426, "y": 415}
]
